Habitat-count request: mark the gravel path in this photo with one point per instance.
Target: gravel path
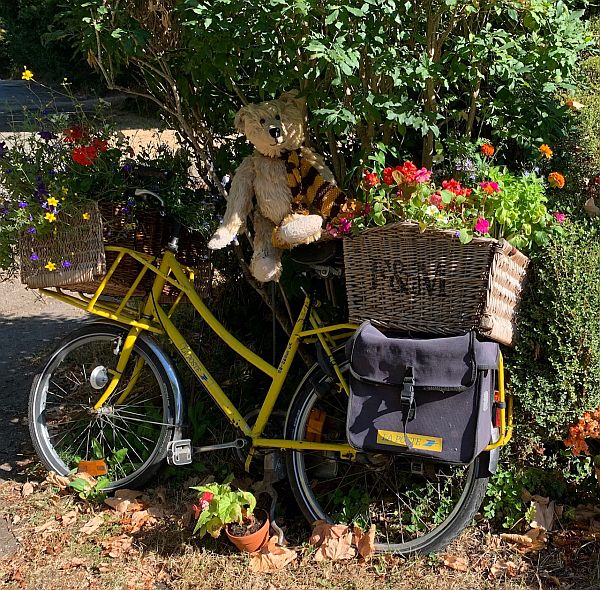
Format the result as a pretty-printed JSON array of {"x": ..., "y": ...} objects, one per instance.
[{"x": 30, "y": 326}]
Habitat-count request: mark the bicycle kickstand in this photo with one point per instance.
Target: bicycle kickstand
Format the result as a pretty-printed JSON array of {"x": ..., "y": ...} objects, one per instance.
[{"x": 273, "y": 472}]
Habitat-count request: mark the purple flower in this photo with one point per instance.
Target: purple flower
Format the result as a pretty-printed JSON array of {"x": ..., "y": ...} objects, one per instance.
[
  {"x": 125, "y": 210},
  {"x": 3, "y": 210},
  {"x": 8, "y": 170},
  {"x": 126, "y": 168},
  {"x": 47, "y": 135},
  {"x": 345, "y": 225},
  {"x": 41, "y": 191},
  {"x": 52, "y": 172},
  {"x": 3, "y": 149},
  {"x": 34, "y": 257},
  {"x": 31, "y": 230},
  {"x": 23, "y": 204},
  {"x": 560, "y": 217},
  {"x": 66, "y": 263}
]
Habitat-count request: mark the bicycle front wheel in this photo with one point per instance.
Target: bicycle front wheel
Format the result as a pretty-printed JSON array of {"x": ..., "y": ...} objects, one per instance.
[
  {"x": 126, "y": 437},
  {"x": 416, "y": 506}
]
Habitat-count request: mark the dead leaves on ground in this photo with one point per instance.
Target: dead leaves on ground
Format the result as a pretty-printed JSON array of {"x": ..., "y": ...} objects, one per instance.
[
  {"x": 336, "y": 542},
  {"x": 271, "y": 557}
]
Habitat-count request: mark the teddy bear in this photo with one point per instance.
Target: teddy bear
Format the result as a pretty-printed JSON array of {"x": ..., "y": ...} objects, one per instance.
[{"x": 287, "y": 187}]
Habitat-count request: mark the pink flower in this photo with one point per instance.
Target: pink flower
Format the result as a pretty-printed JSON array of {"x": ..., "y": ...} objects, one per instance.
[
  {"x": 436, "y": 199},
  {"x": 490, "y": 187},
  {"x": 560, "y": 217},
  {"x": 482, "y": 226},
  {"x": 332, "y": 230},
  {"x": 422, "y": 175},
  {"x": 345, "y": 225}
]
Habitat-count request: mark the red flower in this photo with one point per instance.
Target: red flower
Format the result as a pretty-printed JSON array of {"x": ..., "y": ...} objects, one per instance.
[
  {"x": 487, "y": 149},
  {"x": 408, "y": 170},
  {"x": 73, "y": 134},
  {"x": 85, "y": 155},
  {"x": 100, "y": 144},
  {"x": 455, "y": 187},
  {"x": 388, "y": 176},
  {"x": 206, "y": 497},
  {"x": 371, "y": 179}
]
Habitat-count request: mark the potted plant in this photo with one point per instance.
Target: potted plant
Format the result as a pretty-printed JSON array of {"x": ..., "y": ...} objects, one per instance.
[{"x": 219, "y": 507}]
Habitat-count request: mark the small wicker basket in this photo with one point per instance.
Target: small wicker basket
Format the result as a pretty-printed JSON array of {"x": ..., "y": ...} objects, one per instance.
[
  {"x": 75, "y": 248},
  {"x": 111, "y": 224},
  {"x": 428, "y": 282}
]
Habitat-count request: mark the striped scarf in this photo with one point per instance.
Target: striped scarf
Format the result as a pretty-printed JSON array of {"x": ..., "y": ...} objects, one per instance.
[{"x": 310, "y": 191}]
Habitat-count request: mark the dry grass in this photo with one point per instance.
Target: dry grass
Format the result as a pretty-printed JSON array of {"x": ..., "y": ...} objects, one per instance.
[{"x": 53, "y": 554}]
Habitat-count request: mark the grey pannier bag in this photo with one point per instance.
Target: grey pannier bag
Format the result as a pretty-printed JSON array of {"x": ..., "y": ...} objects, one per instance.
[{"x": 427, "y": 397}]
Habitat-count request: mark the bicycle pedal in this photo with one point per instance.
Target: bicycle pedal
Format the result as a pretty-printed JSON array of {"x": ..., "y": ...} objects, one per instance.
[{"x": 179, "y": 452}]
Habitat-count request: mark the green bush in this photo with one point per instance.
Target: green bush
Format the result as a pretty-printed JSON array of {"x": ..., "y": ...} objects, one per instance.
[{"x": 554, "y": 371}]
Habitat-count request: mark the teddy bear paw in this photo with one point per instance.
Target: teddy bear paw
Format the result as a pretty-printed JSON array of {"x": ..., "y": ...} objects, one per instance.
[
  {"x": 265, "y": 270},
  {"x": 300, "y": 229},
  {"x": 220, "y": 239}
]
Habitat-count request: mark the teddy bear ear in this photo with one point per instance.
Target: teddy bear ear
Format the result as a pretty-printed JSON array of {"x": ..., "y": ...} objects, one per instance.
[
  {"x": 240, "y": 120},
  {"x": 291, "y": 96}
]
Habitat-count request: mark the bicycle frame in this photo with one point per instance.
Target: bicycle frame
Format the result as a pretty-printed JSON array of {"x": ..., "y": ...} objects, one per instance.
[{"x": 154, "y": 319}]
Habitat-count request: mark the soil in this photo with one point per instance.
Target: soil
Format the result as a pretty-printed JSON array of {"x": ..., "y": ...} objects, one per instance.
[{"x": 243, "y": 530}]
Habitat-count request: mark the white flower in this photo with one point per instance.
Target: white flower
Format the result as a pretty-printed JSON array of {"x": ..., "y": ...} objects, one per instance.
[{"x": 432, "y": 211}]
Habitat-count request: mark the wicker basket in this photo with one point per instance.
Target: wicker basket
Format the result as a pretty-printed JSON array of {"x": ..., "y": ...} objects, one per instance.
[
  {"x": 75, "y": 248},
  {"x": 430, "y": 283},
  {"x": 113, "y": 225}
]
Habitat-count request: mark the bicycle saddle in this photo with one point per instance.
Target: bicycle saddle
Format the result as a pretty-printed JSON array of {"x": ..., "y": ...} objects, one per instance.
[{"x": 318, "y": 253}]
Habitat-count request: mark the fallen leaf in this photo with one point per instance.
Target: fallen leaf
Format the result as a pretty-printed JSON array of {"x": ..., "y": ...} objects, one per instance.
[
  {"x": 118, "y": 546},
  {"x": 532, "y": 540},
  {"x": 365, "y": 542},
  {"x": 27, "y": 489},
  {"x": 271, "y": 557},
  {"x": 6, "y": 467},
  {"x": 336, "y": 548},
  {"x": 140, "y": 519},
  {"x": 92, "y": 525},
  {"x": 49, "y": 525},
  {"x": 75, "y": 562},
  {"x": 575, "y": 105},
  {"x": 456, "y": 563},
  {"x": 591, "y": 208},
  {"x": 543, "y": 516},
  {"x": 323, "y": 530},
  {"x": 59, "y": 481},
  {"x": 508, "y": 568},
  {"x": 23, "y": 462},
  {"x": 517, "y": 539},
  {"x": 69, "y": 518},
  {"x": 125, "y": 501}
]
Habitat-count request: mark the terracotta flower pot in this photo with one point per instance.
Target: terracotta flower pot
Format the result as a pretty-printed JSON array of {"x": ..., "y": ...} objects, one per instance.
[{"x": 254, "y": 541}]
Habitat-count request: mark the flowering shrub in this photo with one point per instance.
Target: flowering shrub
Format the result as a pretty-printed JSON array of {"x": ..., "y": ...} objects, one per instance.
[
  {"x": 490, "y": 201},
  {"x": 586, "y": 429},
  {"x": 49, "y": 176},
  {"x": 219, "y": 505}
]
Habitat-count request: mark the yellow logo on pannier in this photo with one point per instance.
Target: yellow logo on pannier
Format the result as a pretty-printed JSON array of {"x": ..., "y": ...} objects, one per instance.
[{"x": 421, "y": 442}]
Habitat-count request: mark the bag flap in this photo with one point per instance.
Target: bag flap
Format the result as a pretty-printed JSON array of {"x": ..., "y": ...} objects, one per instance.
[{"x": 447, "y": 364}]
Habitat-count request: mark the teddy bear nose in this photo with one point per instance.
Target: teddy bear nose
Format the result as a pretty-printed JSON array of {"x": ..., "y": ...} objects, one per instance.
[{"x": 275, "y": 132}]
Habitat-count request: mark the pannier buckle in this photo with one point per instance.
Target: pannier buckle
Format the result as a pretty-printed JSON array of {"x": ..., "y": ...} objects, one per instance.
[{"x": 407, "y": 397}]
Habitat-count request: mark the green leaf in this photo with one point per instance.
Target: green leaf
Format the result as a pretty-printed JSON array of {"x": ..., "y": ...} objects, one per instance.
[{"x": 465, "y": 236}]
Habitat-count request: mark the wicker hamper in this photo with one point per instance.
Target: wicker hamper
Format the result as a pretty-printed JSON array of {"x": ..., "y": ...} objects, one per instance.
[{"x": 428, "y": 282}]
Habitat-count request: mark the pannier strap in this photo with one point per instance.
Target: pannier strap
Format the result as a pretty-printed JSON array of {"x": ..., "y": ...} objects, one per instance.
[{"x": 407, "y": 397}]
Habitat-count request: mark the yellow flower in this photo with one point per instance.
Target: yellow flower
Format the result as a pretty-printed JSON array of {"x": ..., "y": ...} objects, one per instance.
[
  {"x": 86, "y": 216},
  {"x": 50, "y": 266},
  {"x": 50, "y": 217},
  {"x": 546, "y": 150},
  {"x": 27, "y": 74},
  {"x": 53, "y": 201},
  {"x": 64, "y": 191}
]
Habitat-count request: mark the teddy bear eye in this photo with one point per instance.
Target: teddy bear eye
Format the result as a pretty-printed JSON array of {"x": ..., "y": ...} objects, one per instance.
[{"x": 262, "y": 121}]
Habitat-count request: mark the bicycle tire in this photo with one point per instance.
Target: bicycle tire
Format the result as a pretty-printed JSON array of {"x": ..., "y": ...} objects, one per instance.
[
  {"x": 314, "y": 491},
  {"x": 63, "y": 394}
]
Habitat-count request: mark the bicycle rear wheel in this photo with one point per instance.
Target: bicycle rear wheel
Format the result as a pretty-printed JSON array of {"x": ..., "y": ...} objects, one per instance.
[
  {"x": 416, "y": 507},
  {"x": 130, "y": 438}
]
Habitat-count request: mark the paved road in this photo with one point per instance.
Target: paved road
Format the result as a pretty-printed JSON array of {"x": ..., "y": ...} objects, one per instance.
[{"x": 29, "y": 327}]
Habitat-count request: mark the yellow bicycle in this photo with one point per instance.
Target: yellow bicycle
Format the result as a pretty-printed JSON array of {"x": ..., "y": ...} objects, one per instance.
[{"x": 109, "y": 401}]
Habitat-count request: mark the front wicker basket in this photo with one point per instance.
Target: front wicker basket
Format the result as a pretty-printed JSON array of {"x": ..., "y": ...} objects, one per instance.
[
  {"x": 82, "y": 243},
  {"x": 427, "y": 282}
]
